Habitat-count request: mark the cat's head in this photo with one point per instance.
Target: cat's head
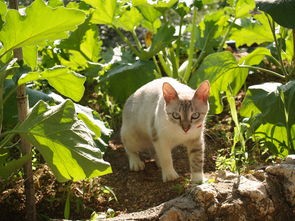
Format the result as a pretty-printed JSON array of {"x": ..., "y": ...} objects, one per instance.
[{"x": 187, "y": 113}]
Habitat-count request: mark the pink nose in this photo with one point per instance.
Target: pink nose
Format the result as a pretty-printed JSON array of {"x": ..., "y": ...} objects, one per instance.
[{"x": 185, "y": 129}]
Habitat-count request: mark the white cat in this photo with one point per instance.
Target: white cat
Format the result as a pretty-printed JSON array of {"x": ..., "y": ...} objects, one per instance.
[{"x": 164, "y": 114}]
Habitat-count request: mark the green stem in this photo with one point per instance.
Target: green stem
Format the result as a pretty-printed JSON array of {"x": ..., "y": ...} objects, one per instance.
[
  {"x": 262, "y": 69},
  {"x": 287, "y": 125},
  {"x": 179, "y": 37},
  {"x": 187, "y": 73},
  {"x": 137, "y": 41},
  {"x": 278, "y": 46},
  {"x": 1, "y": 102},
  {"x": 164, "y": 64},
  {"x": 220, "y": 48},
  {"x": 157, "y": 66},
  {"x": 175, "y": 63},
  {"x": 126, "y": 40}
]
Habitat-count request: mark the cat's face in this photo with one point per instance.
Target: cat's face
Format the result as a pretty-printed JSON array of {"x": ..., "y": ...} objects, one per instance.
[{"x": 187, "y": 113}]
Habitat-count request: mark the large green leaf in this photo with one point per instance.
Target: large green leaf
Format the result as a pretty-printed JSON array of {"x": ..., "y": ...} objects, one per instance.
[
  {"x": 274, "y": 103},
  {"x": 256, "y": 31},
  {"x": 104, "y": 11},
  {"x": 84, "y": 39},
  {"x": 40, "y": 23},
  {"x": 65, "y": 81},
  {"x": 151, "y": 16},
  {"x": 82, "y": 49},
  {"x": 210, "y": 31},
  {"x": 243, "y": 7},
  {"x": 282, "y": 11},
  {"x": 124, "y": 79},
  {"x": 129, "y": 20},
  {"x": 64, "y": 141},
  {"x": 224, "y": 72},
  {"x": 221, "y": 69},
  {"x": 273, "y": 110},
  {"x": 3, "y": 10},
  {"x": 163, "y": 37},
  {"x": 255, "y": 57}
]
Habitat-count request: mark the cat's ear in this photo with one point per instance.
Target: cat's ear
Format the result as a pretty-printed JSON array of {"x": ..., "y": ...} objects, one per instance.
[
  {"x": 169, "y": 92},
  {"x": 203, "y": 91}
]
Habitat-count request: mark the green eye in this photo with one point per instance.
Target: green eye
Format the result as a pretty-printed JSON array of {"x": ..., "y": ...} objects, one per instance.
[
  {"x": 195, "y": 116},
  {"x": 176, "y": 115}
]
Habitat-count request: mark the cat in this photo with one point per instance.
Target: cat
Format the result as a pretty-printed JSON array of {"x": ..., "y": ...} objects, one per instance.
[{"x": 161, "y": 115}]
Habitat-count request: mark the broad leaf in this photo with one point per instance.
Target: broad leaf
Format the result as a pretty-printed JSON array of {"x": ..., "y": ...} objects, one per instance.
[
  {"x": 163, "y": 37},
  {"x": 104, "y": 11},
  {"x": 64, "y": 141},
  {"x": 151, "y": 16},
  {"x": 282, "y": 11},
  {"x": 255, "y": 57},
  {"x": 85, "y": 40},
  {"x": 273, "y": 110},
  {"x": 3, "y": 10},
  {"x": 256, "y": 31},
  {"x": 243, "y": 7},
  {"x": 129, "y": 20},
  {"x": 277, "y": 121},
  {"x": 86, "y": 115},
  {"x": 221, "y": 69},
  {"x": 40, "y": 23},
  {"x": 65, "y": 81},
  {"x": 30, "y": 56},
  {"x": 123, "y": 80},
  {"x": 210, "y": 31}
]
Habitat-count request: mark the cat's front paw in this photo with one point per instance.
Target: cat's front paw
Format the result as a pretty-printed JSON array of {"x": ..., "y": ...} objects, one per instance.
[
  {"x": 169, "y": 175},
  {"x": 197, "y": 178},
  {"x": 136, "y": 165}
]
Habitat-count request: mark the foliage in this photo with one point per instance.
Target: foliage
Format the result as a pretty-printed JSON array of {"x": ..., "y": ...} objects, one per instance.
[
  {"x": 64, "y": 56},
  {"x": 46, "y": 126}
]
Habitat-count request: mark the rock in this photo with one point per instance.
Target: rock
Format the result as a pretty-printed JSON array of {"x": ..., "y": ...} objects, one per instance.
[
  {"x": 264, "y": 196},
  {"x": 290, "y": 159},
  {"x": 281, "y": 179}
]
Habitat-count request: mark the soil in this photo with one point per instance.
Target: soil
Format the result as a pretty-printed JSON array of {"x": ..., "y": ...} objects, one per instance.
[{"x": 120, "y": 192}]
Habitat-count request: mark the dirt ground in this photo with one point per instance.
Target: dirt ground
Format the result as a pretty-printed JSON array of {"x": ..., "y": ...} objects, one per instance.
[{"x": 120, "y": 192}]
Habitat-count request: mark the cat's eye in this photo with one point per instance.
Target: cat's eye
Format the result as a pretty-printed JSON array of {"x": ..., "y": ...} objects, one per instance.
[
  {"x": 195, "y": 116},
  {"x": 176, "y": 115}
]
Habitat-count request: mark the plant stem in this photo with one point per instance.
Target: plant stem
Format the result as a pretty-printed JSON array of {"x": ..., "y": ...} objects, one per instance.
[
  {"x": 262, "y": 69},
  {"x": 137, "y": 41},
  {"x": 22, "y": 105},
  {"x": 220, "y": 48},
  {"x": 293, "y": 59},
  {"x": 179, "y": 37},
  {"x": 188, "y": 70},
  {"x": 126, "y": 40},
  {"x": 278, "y": 47},
  {"x": 157, "y": 67}
]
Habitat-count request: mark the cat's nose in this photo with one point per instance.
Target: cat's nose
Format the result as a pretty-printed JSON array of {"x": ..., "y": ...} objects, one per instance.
[{"x": 185, "y": 129}]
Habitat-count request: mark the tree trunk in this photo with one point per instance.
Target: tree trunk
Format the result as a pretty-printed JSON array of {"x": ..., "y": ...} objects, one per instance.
[{"x": 22, "y": 106}]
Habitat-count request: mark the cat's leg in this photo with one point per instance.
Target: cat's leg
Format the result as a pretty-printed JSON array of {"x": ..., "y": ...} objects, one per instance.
[
  {"x": 195, "y": 150},
  {"x": 135, "y": 163},
  {"x": 164, "y": 160},
  {"x": 131, "y": 148}
]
